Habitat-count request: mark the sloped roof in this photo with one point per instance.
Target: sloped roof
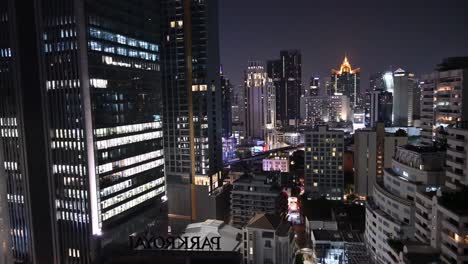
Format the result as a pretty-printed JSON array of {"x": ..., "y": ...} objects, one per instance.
[{"x": 265, "y": 221}]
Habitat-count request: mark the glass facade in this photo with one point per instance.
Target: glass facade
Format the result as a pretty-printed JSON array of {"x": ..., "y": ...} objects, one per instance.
[
  {"x": 192, "y": 95},
  {"x": 100, "y": 83}
]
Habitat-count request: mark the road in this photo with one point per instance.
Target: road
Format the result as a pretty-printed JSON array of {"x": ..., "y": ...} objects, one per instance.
[{"x": 260, "y": 155}]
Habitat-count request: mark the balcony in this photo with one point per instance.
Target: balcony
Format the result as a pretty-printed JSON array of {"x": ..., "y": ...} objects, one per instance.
[
  {"x": 455, "y": 153},
  {"x": 379, "y": 186},
  {"x": 454, "y": 164},
  {"x": 453, "y": 175},
  {"x": 450, "y": 226},
  {"x": 422, "y": 218},
  {"x": 449, "y": 251},
  {"x": 447, "y": 260},
  {"x": 455, "y": 243}
]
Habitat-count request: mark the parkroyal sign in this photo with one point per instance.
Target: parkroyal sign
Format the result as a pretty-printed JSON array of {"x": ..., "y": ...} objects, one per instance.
[{"x": 174, "y": 242}]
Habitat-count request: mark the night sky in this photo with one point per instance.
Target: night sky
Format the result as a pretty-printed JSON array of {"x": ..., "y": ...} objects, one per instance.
[{"x": 376, "y": 35}]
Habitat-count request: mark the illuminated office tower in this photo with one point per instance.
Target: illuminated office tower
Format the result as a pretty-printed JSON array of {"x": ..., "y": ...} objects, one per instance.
[
  {"x": 404, "y": 92},
  {"x": 260, "y": 112},
  {"x": 286, "y": 74},
  {"x": 444, "y": 97},
  {"x": 346, "y": 81},
  {"x": 316, "y": 109},
  {"x": 193, "y": 108},
  {"x": 80, "y": 121}
]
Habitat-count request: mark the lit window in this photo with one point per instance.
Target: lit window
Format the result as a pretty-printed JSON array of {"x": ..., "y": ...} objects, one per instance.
[
  {"x": 98, "y": 83},
  {"x": 173, "y": 24}
]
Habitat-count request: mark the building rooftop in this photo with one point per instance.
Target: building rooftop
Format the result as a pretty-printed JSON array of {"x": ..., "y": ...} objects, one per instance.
[
  {"x": 231, "y": 236},
  {"x": 428, "y": 191},
  {"x": 455, "y": 201},
  {"x": 270, "y": 222},
  {"x": 276, "y": 156},
  {"x": 419, "y": 148},
  {"x": 337, "y": 236},
  {"x": 318, "y": 210},
  {"x": 420, "y": 253},
  {"x": 349, "y": 217}
]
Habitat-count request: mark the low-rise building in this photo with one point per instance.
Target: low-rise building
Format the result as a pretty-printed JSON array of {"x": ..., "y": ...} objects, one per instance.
[
  {"x": 229, "y": 236},
  {"x": 256, "y": 194},
  {"x": 269, "y": 239},
  {"x": 276, "y": 162},
  {"x": 346, "y": 246}
]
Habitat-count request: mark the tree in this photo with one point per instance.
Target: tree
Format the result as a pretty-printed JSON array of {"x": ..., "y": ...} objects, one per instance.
[
  {"x": 299, "y": 259},
  {"x": 401, "y": 133}
]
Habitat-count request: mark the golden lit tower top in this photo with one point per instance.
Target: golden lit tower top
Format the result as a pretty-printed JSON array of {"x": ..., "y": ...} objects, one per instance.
[{"x": 345, "y": 68}]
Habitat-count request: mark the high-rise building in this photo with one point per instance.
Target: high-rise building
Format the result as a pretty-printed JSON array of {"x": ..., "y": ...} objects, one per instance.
[
  {"x": 444, "y": 97},
  {"x": 80, "y": 121},
  {"x": 380, "y": 107},
  {"x": 346, "y": 81},
  {"x": 390, "y": 212},
  {"x": 373, "y": 151},
  {"x": 260, "y": 114},
  {"x": 5, "y": 245},
  {"x": 238, "y": 108},
  {"x": 334, "y": 108},
  {"x": 457, "y": 155},
  {"x": 389, "y": 82},
  {"x": 255, "y": 194},
  {"x": 441, "y": 217},
  {"x": 404, "y": 92},
  {"x": 417, "y": 105},
  {"x": 226, "y": 91},
  {"x": 286, "y": 74},
  {"x": 314, "y": 87},
  {"x": 192, "y": 108},
  {"x": 328, "y": 86},
  {"x": 324, "y": 174},
  {"x": 377, "y": 82}
]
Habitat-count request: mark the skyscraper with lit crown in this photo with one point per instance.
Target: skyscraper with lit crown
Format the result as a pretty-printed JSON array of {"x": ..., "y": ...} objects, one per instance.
[{"x": 346, "y": 81}]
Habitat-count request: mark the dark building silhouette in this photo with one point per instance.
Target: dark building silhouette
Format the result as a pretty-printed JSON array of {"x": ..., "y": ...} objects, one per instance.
[
  {"x": 287, "y": 79},
  {"x": 380, "y": 107},
  {"x": 226, "y": 89},
  {"x": 314, "y": 87}
]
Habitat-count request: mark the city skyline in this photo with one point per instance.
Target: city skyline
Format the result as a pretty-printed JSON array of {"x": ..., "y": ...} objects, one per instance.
[
  {"x": 377, "y": 35},
  {"x": 126, "y": 135}
]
